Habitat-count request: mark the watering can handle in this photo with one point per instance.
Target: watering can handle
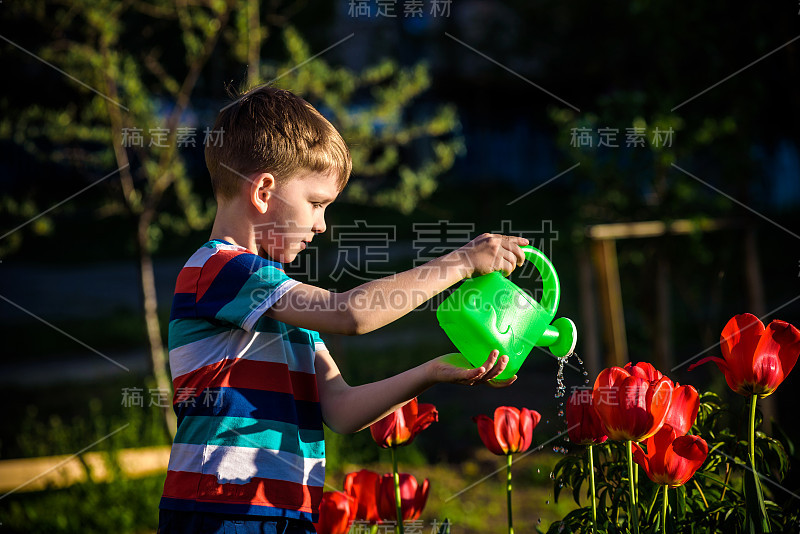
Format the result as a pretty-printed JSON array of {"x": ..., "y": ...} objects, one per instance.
[{"x": 551, "y": 287}]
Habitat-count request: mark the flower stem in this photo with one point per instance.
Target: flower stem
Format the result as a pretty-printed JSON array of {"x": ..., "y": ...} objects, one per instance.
[
  {"x": 753, "y": 433},
  {"x": 763, "y": 519},
  {"x": 702, "y": 495},
  {"x": 508, "y": 494},
  {"x": 594, "y": 498},
  {"x": 397, "y": 492},
  {"x": 634, "y": 512},
  {"x": 664, "y": 511}
]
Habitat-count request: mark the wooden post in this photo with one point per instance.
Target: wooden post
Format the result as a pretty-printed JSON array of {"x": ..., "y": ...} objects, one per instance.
[
  {"x": 590, "y": 349},
  {"x": 604, "y": 252},
  {"x": 663, "y": 329},
  {"x": 757, "y": 305}
]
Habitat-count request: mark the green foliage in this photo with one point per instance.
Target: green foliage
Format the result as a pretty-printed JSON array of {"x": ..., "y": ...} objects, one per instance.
[
  {"x": 373, "y": 111},
  {"x": 712, "y": 502},
  {"x": 119, "y": 504},
  {"x": 122, "y": 506}
]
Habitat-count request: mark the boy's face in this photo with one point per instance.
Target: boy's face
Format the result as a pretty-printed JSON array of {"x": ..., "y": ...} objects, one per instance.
[{"x": 295, "y": 213}]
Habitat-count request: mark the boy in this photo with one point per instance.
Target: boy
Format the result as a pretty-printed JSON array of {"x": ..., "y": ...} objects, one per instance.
[{"x": 253, "y": 380}]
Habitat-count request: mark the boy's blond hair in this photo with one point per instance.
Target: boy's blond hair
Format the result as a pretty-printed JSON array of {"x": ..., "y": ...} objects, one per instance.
[{"x": 273, "y": 130}]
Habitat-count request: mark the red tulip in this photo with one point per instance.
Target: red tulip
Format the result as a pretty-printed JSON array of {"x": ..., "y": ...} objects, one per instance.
[
  {"x": 671, "y": 459},
  {"x": 511, "y": 430},
  {"x": 412, "y": 497},
  {"x": 362, "y": 487},
  {"x": 683, "y": 409},
  {"x": 336, "y": 511},
  {"x": 583, "y": 423},
  {"x": 631, "y": 407},
  {"x": 401, "y": 426},
  {"x": 644, "y": 370},
  {"x": 685, "y": 400},
  {"x": 756, "y": 359}
]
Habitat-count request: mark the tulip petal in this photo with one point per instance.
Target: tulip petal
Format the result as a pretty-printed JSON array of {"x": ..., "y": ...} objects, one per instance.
[
  {"x": 788, "y": 337},
  {"x": 683, "y": 409},
  {"x": 507, "y": 428},
  {"x": 692, "y": 448},
  {"x": 426, "y": 416},
  {"x": 767, "y": 372},
  {"x": 640, "y": 457},
  {"x": 721, "y": 364},
  {"x": 387, "y": 509},
  {"x": 405, "y": 417},
  {"x": 420, "y": 499},
  {"x": 605, "y": 398},
  {"x": 684, "y": 457},
  {"x": 363, "y": 487},
  {"x": 382, "y": 431},
  {"x": 528, "y": 419},
  {"x": 486, "y": 432},
  {"x": 779, "y": 342},
  {"x": 738, "y": 342},
  {"x": 335, "y": 513},
  {"x": 632, "y": 419},
  {"x": 583, "y": 423},
  {"x": 657, "y": 448},
  {"x": 659, "y": 398},
  {"x": 644, "y": 370}
]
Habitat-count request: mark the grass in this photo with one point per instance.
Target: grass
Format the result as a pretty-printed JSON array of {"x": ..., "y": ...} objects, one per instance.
[
  {"x": 123, "y": 506},
  {"x": 131, "y": 506}
]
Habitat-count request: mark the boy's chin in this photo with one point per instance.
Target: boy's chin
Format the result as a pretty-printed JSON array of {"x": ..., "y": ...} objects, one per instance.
[
  {"x": 286, "y": 256},
  {"x": 280, "y": 256}
]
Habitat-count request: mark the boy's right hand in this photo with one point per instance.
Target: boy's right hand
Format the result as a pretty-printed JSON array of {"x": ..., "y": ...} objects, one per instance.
[
  {"x": 455, "y": 369},
  {"x": 491, "y": 252}
]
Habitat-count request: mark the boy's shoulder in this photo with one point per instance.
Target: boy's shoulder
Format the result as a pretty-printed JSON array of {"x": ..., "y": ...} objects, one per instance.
[
  {"x": 223, "y": 281},
  {"x": 217, "y": 254}
]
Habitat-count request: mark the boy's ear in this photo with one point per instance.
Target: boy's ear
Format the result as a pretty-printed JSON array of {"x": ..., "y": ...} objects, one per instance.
[{"x": 261, "y": 188}]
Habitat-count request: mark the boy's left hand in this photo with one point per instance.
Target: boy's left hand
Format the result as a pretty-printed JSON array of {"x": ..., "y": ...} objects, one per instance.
[{"x": 450, "y": 368}]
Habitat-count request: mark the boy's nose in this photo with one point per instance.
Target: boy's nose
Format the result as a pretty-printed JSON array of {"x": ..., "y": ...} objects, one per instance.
[{"x": 319, "y": 227}]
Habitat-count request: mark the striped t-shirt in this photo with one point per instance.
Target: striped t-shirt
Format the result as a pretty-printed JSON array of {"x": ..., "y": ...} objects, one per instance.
[{"x": 250, "y": 438}]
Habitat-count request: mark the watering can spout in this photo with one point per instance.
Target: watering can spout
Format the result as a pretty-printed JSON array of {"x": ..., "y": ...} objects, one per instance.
[{"x": 560, "y": 337}]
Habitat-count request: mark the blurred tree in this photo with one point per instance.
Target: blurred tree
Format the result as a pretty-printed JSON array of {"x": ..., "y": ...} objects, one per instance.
[{"x": 143, "y": 61}]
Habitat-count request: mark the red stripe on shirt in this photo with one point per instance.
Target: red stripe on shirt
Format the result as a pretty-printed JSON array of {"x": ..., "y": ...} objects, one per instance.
[
  {"x": 258, "y": 491},
  {"x": 187, "y": 280},
  {"x": 212, "y": 267},
  {"x": 249, "y": 374}
]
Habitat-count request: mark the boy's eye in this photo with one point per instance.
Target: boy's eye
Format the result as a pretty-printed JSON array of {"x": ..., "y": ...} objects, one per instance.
[{"x": 317, "y": 204}]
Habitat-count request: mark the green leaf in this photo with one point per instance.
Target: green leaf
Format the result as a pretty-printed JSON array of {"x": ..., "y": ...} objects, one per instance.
[{"x": 756, "y": 513}]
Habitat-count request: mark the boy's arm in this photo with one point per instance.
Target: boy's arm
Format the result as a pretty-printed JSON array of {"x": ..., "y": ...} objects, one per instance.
[
  {"x": 380, "y": 302},
  {"x": 347, "y": 409}
]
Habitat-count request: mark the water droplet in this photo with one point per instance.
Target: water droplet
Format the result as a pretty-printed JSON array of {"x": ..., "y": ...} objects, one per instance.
[
  {"x": 552, "y": 476},
  {"x": 547, "y": 501},
  {"x": 538, "y": 470},
  {"x": 547, "y": 421},
  {"x": 539, "y": 521}
]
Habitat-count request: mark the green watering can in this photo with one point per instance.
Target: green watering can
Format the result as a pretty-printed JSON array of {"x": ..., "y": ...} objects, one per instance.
[{"x": 491, "y": 312}]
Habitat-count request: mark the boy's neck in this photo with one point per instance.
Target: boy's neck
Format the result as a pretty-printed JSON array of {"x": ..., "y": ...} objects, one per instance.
[{"x": 231, "y": 224}]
